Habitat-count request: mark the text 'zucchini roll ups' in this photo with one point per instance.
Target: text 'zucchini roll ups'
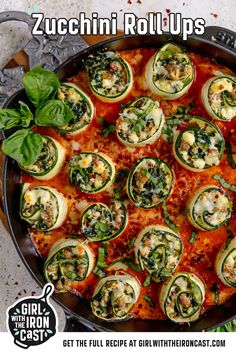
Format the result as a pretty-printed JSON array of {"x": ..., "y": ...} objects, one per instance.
[
  {"x": 209, "y": 208},
  {"x": 114, "y": 296},
  {"x": 44, "y": 208},
  {"x": 226, "y": 264},
  {"x": 49, "y": 162},
  {"x": 200, "y": 146},
  {"x": 140, "y": 122},
  {"x": 91, "y": 172},
  {"x": 100, "y": 222},
  {"x": 158, "y": 250},
  {"x": 149, "y": 182},
  {"x": 219, "y": 97},
  {"x": 182, "y": 296},
  {"x": 169, "y": 72},
  {"x": 80, "y": 104},
  {"x": 110, "y": 76},
  {"x": 68, "y": 261}
]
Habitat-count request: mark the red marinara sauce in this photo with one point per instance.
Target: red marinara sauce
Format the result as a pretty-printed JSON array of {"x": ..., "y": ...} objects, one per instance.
[{"x": 198, "y": 257}]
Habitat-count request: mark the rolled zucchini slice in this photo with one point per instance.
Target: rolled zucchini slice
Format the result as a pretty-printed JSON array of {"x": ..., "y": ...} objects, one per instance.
[
  {"x": 49, "y": 162},
  {"x": 219, "y": 97},
  {"x": 101, "y": 223},
  {"x": 114, "y": 296},
  {"x": 140, "y": 122},
  {"x": 169, "y": 72},
  {"x": 226, "y": 264},
  {"x": 200, "y": 146},
  {"x": 110, "y": 76},
  {"x": 80, "y": 104},
  {"x": 209, "y": 208},
  {"x": 158, "y": 251},
  {"x": 91, "y": 172},
  {"x": 182, "y": 296},
  {"x": 68, "y": 261},
  {"x": 44, "y": 208},
  {"x": 149, "y": 182}
]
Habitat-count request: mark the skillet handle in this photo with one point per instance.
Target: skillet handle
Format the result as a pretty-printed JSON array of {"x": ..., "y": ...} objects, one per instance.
[
  {"x": 222, "y": 36},
  {"x": 49, "y": 51},
  {"x": 74, "y": 325}
]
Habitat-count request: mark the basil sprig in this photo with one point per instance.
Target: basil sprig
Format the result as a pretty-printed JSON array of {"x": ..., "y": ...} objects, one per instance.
[
  {"x": 24, "y": 146},
  {"x": 41, "y": 87}
]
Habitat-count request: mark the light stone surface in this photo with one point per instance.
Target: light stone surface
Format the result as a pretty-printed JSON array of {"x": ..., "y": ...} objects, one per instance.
[{"x": 15, "y": 281}]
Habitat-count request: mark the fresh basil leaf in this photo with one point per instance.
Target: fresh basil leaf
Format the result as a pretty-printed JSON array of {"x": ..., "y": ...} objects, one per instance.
[
  {"x": 215, "y": 291},
  {"x": 10, "y": 118},
  {"x": 108, "y": 128},
  {"x": 167, "y": 218},
  {"x": 230, "y": 155},
  {"x": 149, "y": 300},
  {"x": 224, "y": 183},
  {"x": 23, "y": 146},
  {"x": 193, "y": 237},
  {"x": 40, "y": 85},
  {"x": 53, "y": 113},
  {"x": 26, "y": 114}
]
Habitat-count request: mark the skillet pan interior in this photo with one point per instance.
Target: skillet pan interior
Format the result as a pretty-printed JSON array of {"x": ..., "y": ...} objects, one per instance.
[{"x": 73, "y": 305}]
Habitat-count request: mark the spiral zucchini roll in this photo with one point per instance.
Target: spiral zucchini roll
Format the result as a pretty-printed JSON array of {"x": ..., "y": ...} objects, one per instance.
[
  {"x": 114, "y": 296},
  {"x": 149, "y": 183},
  {"x": 219, "y": 97},
  {"x": 209, "y": 208},
  {"x": 169, "y": 72},
  {"x": 91, "y": 172},
  {"x": 158, "y": 250},
  {"x": 43, "y": 207},
  {"x": 100, "y": 223},
  {"x": 49, "y": 162},
  {"x": 140, "y": 122},
  {"x": 226, "y": 264},
  {"x": 200, "y": 146},
  {"x": 182, "y": 296},
  {"x": 110, "y": 76},
  {"x": 68, "y": 261},
  {"x": 80, "y": 104}
]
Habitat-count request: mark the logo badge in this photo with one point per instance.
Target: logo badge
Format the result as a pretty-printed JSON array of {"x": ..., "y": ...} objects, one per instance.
[{"x": 32, "y": 320}]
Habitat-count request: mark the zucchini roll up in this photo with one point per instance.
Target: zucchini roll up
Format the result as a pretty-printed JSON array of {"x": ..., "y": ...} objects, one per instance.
[
  {"x": 182, "y": 296},
  {"x": 226, "y": 264},
  {"x": 149, "y": 182},
  {"x": 44, "y": 208},
  {"x": 110, "y": 76},
  {"x": 209, "y": 208},
  {"x": 219, "y": 97},
  {"x": 91, "y": 172},
  {"x": 101, "y": 223},
  {"x": 80, "y": 104},
  {"x": 200, "y": 146},
  {"x": 114, "y": 296},
  {"x": 49, "y": 162},
  {"x": 158, "y": 250},
  {"x": 68, "y": 261},
  {"x": 169, "y": 72},
  {"x": 140, "y": 122}
]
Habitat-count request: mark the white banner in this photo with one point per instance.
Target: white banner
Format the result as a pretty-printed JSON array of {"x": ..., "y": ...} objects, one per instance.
[{"x": 117, "y": 343}]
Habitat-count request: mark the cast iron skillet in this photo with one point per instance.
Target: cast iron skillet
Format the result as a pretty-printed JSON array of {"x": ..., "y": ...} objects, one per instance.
[{"x": 217, "y": 43}]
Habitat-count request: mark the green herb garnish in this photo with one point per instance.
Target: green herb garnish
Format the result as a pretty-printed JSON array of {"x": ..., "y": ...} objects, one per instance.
[
  {"x": 167, "y": 218},
  {"x": 224, "y": 183},
  {"x": 148, "y": 299},
  {"x": 108, "y": 128}
]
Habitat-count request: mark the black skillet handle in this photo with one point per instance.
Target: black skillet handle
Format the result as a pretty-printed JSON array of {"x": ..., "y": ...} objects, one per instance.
[
  {"x": 49, "y": 51},
  {"x": 222, "y": 36},
  {"x": 74, "y": 325}
]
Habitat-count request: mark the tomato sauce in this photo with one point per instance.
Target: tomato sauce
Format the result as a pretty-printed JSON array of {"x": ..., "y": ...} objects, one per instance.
[{"x": 198, "y": 257}]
